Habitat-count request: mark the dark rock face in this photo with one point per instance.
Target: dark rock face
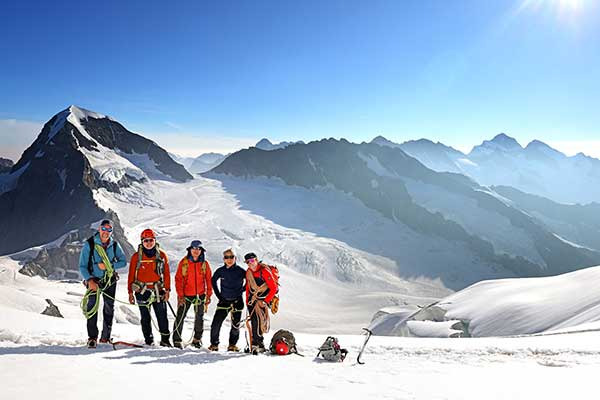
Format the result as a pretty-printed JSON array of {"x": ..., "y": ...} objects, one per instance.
[
  {"x": 345, "y": 166},
  {"x": 52, "y": 310},
  {"x": 5, "y": 165},
  {"x": 62, "y": 262}
]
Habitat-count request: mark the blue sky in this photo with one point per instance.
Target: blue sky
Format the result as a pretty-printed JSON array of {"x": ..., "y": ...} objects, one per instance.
[{"x": 200, "y": 76}]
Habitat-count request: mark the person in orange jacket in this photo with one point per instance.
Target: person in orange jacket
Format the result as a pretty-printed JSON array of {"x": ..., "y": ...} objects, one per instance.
[
  {"x": 194, "y": 287},
  {"x": 149, "y": 275}
]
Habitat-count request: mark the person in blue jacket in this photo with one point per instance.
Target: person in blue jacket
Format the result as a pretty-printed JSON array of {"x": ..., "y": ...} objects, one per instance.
[
  {"x": 100, "y": 256},
  {"x": 228, "y": 284}
]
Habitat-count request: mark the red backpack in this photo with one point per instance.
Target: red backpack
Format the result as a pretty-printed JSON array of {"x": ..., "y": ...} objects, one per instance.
[{"x": 274, "y": 271}]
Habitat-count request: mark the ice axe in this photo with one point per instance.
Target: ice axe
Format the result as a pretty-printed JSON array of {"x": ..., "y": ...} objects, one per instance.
[{"x": 368, "y": 336}]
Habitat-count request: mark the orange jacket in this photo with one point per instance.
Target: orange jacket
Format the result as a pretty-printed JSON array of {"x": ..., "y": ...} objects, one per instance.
[
  {"x": 195, "y": 282},
  {"x": 147, "y": 272}
]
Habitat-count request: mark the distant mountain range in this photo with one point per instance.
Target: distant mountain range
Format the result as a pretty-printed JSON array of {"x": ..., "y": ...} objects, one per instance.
[
  {"x": 265, "y": 144},
  {"x": 448, "y": 226},
  {"x": 448, "y": 215},
  {"x": 202, "y": 163},
  {"x": 537, "y": 168},
  {"x": 49, "y": 191}
]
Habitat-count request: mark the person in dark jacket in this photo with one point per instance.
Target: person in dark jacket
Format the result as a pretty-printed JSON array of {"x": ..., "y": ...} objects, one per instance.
[
  {"x": 100, "y": 276},
  {"x": 232, "y": 286}
]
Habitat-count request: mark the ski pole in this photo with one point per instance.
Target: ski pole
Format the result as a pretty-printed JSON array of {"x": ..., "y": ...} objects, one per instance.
[{"x": 171, "y": 307}]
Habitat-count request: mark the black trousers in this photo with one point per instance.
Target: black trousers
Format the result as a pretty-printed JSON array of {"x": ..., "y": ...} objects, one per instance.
[
  {"x": 257, "y": 338},
  {"x": 224, "y": 307},
  {"x": 198, "y": 318},
  {"x": 160, "y": 310},
  {"x": 108, "y": 311}
]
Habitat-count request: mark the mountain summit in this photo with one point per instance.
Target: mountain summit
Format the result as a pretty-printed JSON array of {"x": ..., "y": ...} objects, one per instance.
[{"x": 50, "y": 190}]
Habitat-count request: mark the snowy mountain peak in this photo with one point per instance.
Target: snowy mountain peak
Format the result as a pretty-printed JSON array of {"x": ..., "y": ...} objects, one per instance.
[
  {"x": 501, "y": 143},
  {"x": 382, "y": 141},
  {"x": 83, "y": 114},
  {"x": 541, "y": 147},
  {"x": 264, "y": 142},
  {"x": 506, "y": 141}
]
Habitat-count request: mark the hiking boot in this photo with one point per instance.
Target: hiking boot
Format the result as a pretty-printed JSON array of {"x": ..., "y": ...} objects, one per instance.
[
  {"x": 197, "y": 344},
  {"x": 165, "y": 343},
  {"x": 104, "y": 341},
  {"x": 91, "y": 343},
  {"x": 233, "y": 347},
  {"x": 149, "y": 341},
  {"x": 178, "y": 345},
  {"x": 213, "y": 347},
  {"x": 258, "y": 349}
]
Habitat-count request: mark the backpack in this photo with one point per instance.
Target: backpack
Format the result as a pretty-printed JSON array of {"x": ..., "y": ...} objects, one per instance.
[
  {"x": 330, "y": 350},
  {"x": 274, "y": 271},
  {"x": 286, "y": 337},
  {"x": 92, "y": 243}
]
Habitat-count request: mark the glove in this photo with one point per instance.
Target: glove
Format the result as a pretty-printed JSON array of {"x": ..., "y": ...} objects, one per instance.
[
  {"x": 92, "y": 285},
  {"x": 131, "y": 299}
]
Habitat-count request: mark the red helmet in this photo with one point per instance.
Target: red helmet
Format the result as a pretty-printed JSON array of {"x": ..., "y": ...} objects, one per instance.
[
  {"x": 147, "y": 234},
  {"x": 282, "y": 348}
]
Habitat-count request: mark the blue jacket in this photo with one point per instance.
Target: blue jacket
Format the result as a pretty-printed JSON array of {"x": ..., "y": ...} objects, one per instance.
[
  {"x": 232, "y": 282},
  {"x": 118, "y": 260}
]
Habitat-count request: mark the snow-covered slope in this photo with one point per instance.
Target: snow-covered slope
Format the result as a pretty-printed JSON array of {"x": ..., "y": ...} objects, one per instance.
[
  {"x": 504, "y": 307},
  {"x": 551, "y": 367}
]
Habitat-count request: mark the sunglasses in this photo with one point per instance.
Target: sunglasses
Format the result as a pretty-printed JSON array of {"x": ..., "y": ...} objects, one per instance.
[
  {"x": 196, "y": 248},
  {"x": 228, "y": 257},
  {"x": 106, "y": 229},
  {"x": 148, "y": 240},
  {"x": 251, "y": 261}
]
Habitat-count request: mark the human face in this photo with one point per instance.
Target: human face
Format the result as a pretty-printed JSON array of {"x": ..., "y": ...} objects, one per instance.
[
  {"x": 252, "y": 263},
  {"x": 229, "y": 259},
  {"x": 149, "y": 243},
  {"x": 105, "y": 232},
  {"x": 195, "y": 252}
]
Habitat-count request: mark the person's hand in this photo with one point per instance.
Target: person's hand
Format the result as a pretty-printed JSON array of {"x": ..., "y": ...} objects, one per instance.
[
  {"x": 180, "y": 301},
  {"x": 92, "y": 285},
  {"x": 131, "y": 299},
  {"x": 166, "y": 296},
  {"x": 101, "y": 266},
  {"x": 208, "y": 300}
]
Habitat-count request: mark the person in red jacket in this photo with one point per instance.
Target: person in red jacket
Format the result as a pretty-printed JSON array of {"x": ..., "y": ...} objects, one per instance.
[
  {"x": 261, "y": 288},
  {"x": 194, "y": 287},
  {"x": 149, "y": 278}
]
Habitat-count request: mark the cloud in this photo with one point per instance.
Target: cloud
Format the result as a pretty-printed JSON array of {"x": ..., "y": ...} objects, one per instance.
[{"x": 16, "y": 136}]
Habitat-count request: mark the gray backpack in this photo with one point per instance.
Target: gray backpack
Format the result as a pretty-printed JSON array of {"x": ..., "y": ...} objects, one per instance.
[{"x": 330, "y": 350}]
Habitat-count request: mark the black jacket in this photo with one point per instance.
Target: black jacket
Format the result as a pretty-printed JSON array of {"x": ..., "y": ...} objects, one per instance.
[{"x": 232, "y": 282}]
